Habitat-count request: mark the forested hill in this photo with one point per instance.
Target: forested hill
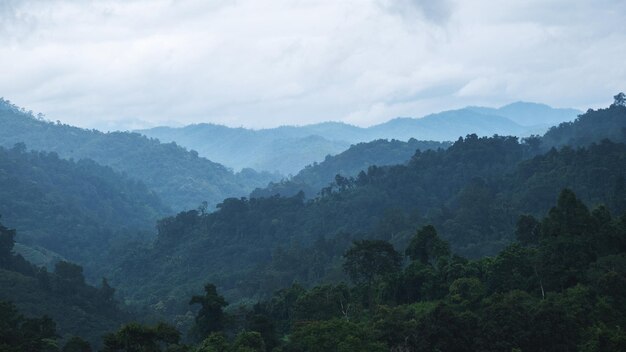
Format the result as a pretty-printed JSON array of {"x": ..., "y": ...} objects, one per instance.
[
  {"x": 349, "y": 163},
  {"x": 591, "y": 127},
  {"x": 75, "y": 209},
  {"x": 69, "y": 306},
  {"x": 180, "y": 177},
  {"x": 474, "y": 192}
]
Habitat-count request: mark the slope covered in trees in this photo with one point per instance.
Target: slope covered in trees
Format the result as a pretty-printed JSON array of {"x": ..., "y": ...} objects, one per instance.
[
  {"x": 75, "y": 209},
  {"x": 349, "y": 163},
  {"x": 62, "y": 295},
  {"x": 180, "y": 177},
  {"x": 473, "y": 192},
  {"x": 591, "y": 127},
  {"x": 560, "y": 286}
]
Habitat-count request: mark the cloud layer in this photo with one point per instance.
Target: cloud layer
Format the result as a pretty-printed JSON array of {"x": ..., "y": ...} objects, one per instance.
[{"x": 120, "y": 63}]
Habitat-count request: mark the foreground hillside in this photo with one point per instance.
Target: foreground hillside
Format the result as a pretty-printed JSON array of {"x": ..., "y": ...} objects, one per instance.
[
  {"x": 180, "y": 177},
  {"x": 61, "y": 296},
  {"x": 558, "y": 288}
]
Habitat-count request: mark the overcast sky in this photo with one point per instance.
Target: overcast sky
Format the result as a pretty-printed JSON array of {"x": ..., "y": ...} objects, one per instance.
[{"x": 262, "y": 63}]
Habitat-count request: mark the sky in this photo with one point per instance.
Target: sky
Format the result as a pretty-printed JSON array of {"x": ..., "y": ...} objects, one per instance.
[{"x": 125, "y": 64}]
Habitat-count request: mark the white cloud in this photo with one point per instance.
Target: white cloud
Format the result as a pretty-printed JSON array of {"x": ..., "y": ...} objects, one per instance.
[{"x": 265, "y": 63}]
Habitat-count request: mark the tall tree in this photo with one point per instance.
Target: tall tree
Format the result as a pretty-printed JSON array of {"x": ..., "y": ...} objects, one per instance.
[{"x": 211, "y": 317}]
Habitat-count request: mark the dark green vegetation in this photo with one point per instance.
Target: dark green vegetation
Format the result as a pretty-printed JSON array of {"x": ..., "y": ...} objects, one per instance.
[
  {"x": 62, "y": 295},
  {"x": 349, "y": 163},
  {"x": 287, "y": 149},
  {"x": 180, "y": 177},
  {"x": 475, "y": 207},
  {"x": 473, "y": 192},
  {"x": 560, "y": 286},
  {"x": 458, "y": 249}
]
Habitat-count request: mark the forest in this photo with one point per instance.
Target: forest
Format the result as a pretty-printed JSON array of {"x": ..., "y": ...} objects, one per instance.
[{"x": 484, "y": 243}]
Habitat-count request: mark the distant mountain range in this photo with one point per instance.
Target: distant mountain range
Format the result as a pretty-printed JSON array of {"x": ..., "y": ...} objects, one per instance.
[{"x": 288, "y": 149}]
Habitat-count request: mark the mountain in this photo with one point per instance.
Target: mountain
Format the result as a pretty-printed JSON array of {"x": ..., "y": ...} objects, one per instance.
[
  {"x": 531, "y": 114},
  {"x": 285, "y": 149},
  {"x": 288, "y": 149},
  {"x": 448, "y": 126},
  {"x": 72, "y": 209},
  {"x": 357, "y": 158},
  {"x": 181, "y": 178}
]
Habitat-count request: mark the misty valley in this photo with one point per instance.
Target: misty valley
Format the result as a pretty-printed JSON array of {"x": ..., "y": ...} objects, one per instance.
[{"x": 477, "y": 229}]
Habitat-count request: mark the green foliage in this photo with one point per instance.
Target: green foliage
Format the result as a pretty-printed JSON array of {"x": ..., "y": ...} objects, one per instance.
[
  {"x": 370, "y": 259},
  {"x": 134, "y": 337},
  {"x": 77, "y": 308},
  {"x": 210, "y": 318},
  {"x": 426, "y": 246},
  {"x": 75, "y": 209},
  {"x": 25, "y": 334},
  {"x": 349, "y": 163},
  {"x": 76, "y": 344},
  {"x": 248, "y": 341},
  {"x": 335, "y": 335}
]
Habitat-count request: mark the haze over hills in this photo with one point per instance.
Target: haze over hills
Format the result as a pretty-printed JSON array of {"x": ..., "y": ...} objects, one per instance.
[
  {"x": 473, "y": 192},
  {"x": 180, "y": 177},
  {"x": 288, "y": 149}
]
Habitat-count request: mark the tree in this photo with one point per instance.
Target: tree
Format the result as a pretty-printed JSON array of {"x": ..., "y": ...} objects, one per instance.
[
  {"x": 7, "y": 241},
  {"x": 369, "y": 259},
  {"x": 248, "y": 341},
  {"x": 527, "y": 230},
  {"x": 76, "y": 344},
  {"x": 426, "y": 246},
  {"x": 211, "y": 317},
  {"x": 69, "y": 271},
  {"x": 619, "y": 99},
  {"x": 135, "y": 337}
]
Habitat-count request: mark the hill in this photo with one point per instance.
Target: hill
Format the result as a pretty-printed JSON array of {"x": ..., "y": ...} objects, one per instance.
[
  {"x": 179, "y": 177},
  {"x": 77, "y": 308},
  {"x": 589, "y": 127},
  {"x": 349, "y": 163},
  {"x": 76, "y": 209},
  {"x": 473, "y": 192}
]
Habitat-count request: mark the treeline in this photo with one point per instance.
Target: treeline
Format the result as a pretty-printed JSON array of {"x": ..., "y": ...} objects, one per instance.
[{"x": 349, "y": 163}]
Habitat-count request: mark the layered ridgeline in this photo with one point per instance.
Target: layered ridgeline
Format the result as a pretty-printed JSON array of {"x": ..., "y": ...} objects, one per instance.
[
  {"x": 288, "y": 149},
  {"x": 68, "y": 305},
  {"x": 473, "y": 192},
  {"x": 586, "y": 129},
  {"x": 180, "y": 177},
  {"x": 349, "y": 163},
  {"x": 72, "y": 209}
]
